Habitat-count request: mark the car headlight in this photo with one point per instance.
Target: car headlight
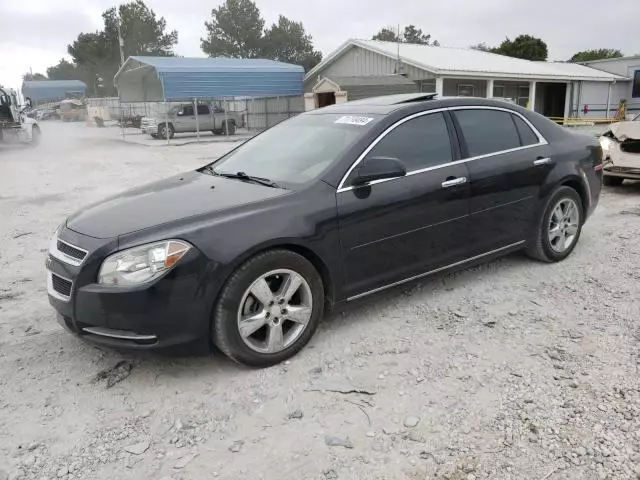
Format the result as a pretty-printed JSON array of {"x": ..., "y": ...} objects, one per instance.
[
  {"x": 141, "y": 264},
  {"x": 606, "y": 143}
]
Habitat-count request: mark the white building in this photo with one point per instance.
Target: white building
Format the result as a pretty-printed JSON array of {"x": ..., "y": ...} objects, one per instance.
[
  {"x": 629, "y": 89},
  {"x": 552, "y": 89}
]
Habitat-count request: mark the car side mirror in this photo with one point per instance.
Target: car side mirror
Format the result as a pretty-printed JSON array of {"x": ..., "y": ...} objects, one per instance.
[
  {"x": 378, "y": 168},
  {"x": 28, "y": 102}
]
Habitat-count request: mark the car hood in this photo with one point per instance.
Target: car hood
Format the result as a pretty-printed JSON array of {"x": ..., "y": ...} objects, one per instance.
[{"x": 187, "y": 195}]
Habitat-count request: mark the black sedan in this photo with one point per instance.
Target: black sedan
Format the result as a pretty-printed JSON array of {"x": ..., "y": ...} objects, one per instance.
[{"x": 248, "y": 252}]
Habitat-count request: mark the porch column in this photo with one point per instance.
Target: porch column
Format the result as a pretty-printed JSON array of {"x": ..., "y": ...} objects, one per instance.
[
  {"x": 490, "y": 88},
  {"x": 567, "y": 103},
  {"x": 440, "y": 86},
  {"x": 532, "y": 96},
  {"x": 309, "y": 102}
]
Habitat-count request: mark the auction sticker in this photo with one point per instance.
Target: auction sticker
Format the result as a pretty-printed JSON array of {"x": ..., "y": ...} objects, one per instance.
[{"x": 354, "y": 120}]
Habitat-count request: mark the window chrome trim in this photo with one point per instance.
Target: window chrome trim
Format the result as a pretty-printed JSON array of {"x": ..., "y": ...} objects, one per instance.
[
  {"x": 63, "y": 257},
  {"x": 51, "y": 291},
  {"x": 119, "y": 334},
  {"x": 541, "y": 141},
  {"x": 431, "y": 272}
]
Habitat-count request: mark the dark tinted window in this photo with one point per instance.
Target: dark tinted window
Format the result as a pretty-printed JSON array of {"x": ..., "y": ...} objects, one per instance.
[
  {"x": 203, "y": 110},
  {"x": 635, "y": 89},
  {"x": 187, "y": 110},
  {"x": 487, "y": 131},
  {"x": 527, "y": 136},
  {"x": 419, "y": 143}
]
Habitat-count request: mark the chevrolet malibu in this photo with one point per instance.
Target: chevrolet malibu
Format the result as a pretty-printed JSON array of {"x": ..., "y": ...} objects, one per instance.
[{"x": 246, "y": 253}]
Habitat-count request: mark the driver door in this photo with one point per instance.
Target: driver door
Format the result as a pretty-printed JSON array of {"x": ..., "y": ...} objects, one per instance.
[
  {"x": 395, "y": 229},
  {"x": 184, "y": 118}
]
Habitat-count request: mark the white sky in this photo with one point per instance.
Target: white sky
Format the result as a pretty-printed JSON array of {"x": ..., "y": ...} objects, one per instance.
[{"x": 35, "y": 33}]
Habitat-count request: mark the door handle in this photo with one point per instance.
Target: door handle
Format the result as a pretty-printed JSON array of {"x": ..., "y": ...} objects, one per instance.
[
  {"x": 453, "y": 182},
  {"x": 542, "y": 161}
]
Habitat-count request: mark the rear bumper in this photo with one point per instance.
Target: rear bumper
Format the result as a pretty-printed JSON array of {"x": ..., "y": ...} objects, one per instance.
[{"x": 623, "y": 172}]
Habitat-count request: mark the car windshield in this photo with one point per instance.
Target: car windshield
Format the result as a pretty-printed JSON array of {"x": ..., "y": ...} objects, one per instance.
[{"x": 297, "y": 150}]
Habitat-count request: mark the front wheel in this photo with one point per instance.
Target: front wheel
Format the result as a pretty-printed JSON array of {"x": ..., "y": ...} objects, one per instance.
[
  {"x": 164, "y": 132},
  {"x": 268, "y": 309},
  {"x": 560, "y": 227}
]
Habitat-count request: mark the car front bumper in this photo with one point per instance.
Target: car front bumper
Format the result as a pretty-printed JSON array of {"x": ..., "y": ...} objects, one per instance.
[{"x": 173, "y": 311}]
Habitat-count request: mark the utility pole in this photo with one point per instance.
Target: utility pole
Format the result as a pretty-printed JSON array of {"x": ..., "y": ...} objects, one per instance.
[
  {"x": 398, "y": 56},
  {"x": 120, "y": 40}
]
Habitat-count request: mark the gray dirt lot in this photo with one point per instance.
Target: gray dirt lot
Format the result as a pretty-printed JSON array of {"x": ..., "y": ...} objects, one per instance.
[{"x": 510, "y": 370}]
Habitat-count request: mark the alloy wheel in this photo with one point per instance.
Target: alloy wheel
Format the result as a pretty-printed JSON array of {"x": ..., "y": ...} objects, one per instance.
[
  {"x": 563, "y": 225},
  {"x": 274, "y": 311}
]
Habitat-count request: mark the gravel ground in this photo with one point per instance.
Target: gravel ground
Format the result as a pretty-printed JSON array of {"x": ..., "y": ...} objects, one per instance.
[{"x": 510, "y": 370}]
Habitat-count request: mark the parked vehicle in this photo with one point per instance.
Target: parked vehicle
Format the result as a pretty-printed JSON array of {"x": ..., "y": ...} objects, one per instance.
[
  {"x": 73, "y": 110},
  {"x": 621, "y": 147},
  {"x": 15, "y": 125},
  {"x": 182, "y": 119},
  {"x": 327, "y": 207}
]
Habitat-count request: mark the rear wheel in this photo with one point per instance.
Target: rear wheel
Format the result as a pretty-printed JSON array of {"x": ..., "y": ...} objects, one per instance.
[
  {"x": 560, "y": 227},
  {"x": 269, "y": 309},
  {"x": 165, "y": 132},
  {"x": 610, "y": 181},
  {"x": 231, "y": 129}
]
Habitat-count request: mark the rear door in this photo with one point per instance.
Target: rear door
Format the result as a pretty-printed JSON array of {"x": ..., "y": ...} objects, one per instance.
[
  {"x": 394, "y": 229},
  {"x": 205, "y": 121},
  {"x": 508, "y": 163}
]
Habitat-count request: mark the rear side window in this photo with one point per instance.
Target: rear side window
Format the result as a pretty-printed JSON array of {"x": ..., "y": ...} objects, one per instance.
[
  {"x": 418, "y": 143},
  {"x": 487, "y": 131},
  {"x": 203, "y": 110},
  {"x": 527, "y": 137}
]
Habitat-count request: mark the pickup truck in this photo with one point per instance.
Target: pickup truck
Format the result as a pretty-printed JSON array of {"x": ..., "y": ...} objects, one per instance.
[{"x": 182, "y": 118}]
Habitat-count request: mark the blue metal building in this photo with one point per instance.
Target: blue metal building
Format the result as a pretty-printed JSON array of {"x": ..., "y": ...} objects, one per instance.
[
  {"x": 157, "y": 79},
  {"x": 50, "y": 90}
]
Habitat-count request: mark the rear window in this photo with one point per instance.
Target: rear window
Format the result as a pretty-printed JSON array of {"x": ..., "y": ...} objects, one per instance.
[
  {"x": 487, "y": 131},
  {"x": 527, "y": 136}
]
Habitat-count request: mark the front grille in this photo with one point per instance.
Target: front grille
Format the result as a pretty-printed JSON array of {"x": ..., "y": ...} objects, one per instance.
[
  {"x": 71, "y": 250},
  {"x": 61, "y": 285}
]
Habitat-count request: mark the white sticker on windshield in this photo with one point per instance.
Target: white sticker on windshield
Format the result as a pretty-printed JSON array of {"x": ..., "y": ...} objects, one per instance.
[{"x": 354, "y": 120}]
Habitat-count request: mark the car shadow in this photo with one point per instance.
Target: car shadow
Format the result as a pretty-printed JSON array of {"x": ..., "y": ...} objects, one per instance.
[
  {"x": 629, "y": 187},
  {"x": 176, "y": 363}
]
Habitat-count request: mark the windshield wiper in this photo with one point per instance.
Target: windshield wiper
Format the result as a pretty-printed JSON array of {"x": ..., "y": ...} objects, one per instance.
[{"x": 249, "y": 178}]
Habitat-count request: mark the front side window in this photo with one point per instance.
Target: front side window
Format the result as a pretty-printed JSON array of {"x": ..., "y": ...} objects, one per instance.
[
  {"x": 203, "y": 110},
  {"x": 421, "y": 142},
  {"x": 487, "y": 131},
  {"x": 635, "y": 90},
  {"x": 187, "y": 110}
]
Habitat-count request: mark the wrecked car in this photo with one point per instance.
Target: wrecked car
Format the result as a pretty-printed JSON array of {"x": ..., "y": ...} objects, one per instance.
[{"x": 621, "y": 149}]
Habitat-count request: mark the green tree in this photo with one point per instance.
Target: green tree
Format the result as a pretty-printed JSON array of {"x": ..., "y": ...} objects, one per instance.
[
  {"x": 29, "y": 77},
  {"x": 523, "y": 46},
  {"x": 411, "y": 34},
  {"x": 386, "y": 34},
  {"x": 483, "y": 47},
  {"x": 287, "y": 41},
  {"x": 64, "y": 70},
  {"x": 97, "y": 55},
  {"x": 235, "y": 30},
  {"x": 599, "y": 54}
]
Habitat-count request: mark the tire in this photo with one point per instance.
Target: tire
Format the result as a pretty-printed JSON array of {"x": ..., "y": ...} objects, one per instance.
[
  {"x": 232, "y": 128},
  {"x": 154, "y": 136},
  {"x": 162, "y": 131},
  {"x": 253, "y": 348},
  {"x": 609, "y": 181},
  {"x": 542, "y": 247},
  {"x": 36, "y": 136}
]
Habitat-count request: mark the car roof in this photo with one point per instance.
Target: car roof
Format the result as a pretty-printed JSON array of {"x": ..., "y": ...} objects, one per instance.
[{"x": 392, "y": 103}]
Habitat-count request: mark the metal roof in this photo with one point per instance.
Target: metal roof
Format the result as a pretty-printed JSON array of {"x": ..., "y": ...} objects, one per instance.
[
  {"x": 176, "y": 78},
  {"x": 371, "y": 80},
  {"x": 51, "y": 89},
  {"x": 468, "y": 62}
]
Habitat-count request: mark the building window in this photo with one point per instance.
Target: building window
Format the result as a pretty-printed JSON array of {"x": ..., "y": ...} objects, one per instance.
[
  {"x": 498, "y": 91},
  {"x": 635, "y": 90},
  {"x": 465, "y": 90}
]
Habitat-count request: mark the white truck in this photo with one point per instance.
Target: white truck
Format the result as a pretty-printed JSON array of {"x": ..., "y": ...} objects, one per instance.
[
  {"x": 15, "y": 126},
  {"x": 183, "y": 118}
]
